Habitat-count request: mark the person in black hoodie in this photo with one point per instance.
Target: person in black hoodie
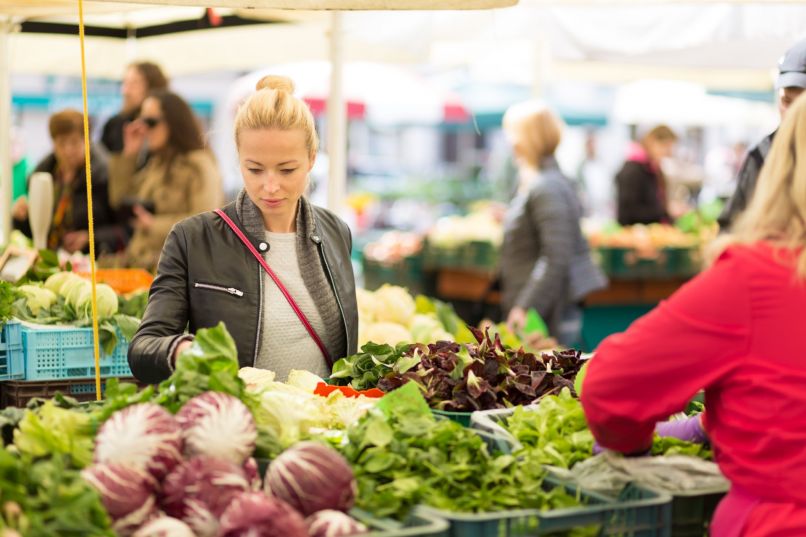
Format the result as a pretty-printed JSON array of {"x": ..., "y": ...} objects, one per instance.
[
  {"x": 640, "y": 184},
  {"x": 66, "y": 164}
]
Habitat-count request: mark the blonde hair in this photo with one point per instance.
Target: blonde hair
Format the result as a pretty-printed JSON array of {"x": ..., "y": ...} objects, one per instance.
[
  {"x": 534, "y": 129},
  {"x": 660, "y": 133},
  {"x": 273, "y": 106},
  {"x": 777, "y": 210}
]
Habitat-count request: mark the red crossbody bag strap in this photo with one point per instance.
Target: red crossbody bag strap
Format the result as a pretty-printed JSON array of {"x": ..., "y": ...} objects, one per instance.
[{"x": 291, "y": 302}]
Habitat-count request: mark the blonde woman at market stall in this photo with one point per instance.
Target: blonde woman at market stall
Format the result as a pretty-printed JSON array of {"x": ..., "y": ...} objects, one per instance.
[
  {"x": 735, "y": 331},
  {"x": 181, "y": 178},
  {"x": 273, "y": 267},
  {"x": 547, "y": 262}
]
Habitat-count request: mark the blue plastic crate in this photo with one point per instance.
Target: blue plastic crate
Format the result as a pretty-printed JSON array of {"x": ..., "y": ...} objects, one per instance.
[
  {"x": 54, "y": 353},
  {"x": 12, "y": 363}
]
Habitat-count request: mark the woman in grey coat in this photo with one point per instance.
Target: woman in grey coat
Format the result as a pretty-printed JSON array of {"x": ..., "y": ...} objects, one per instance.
[{"x": 546, "y": 261}]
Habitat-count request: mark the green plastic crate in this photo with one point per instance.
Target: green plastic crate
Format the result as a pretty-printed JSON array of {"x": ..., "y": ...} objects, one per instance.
[
  {"x": 408, "y": 273},
  {"x": 637, "y": 513}
]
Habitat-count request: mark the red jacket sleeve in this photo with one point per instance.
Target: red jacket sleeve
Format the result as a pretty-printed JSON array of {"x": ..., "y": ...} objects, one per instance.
[{"x": 652, "y": 370}]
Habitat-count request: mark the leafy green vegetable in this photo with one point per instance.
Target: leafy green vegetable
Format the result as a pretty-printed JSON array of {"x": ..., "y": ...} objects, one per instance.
[
  {"x": 484, "y": 375},
  {"x": 133, "y": 305},
  {"x": 210, "y": 364},
  {"x": 47, "y": 498},
  {"x": 554, "y": 432},
  {"x": 8, "y": 295},
  {"x": 664, "y": 445},
  {"x": 402, "y": 457},
  {"x": 50, "y": 430},
  {"x": 362, "y": 371}
]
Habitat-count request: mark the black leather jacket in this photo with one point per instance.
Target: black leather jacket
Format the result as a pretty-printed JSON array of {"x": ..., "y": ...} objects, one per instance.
[{"x": 202, "y": 249}]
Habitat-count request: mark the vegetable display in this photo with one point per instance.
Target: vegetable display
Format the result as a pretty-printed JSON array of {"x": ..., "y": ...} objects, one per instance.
[
  {"x": 555, "y": 432},
  {"x": 330, "y": 523},
  {"x": 455, "y": 377},
  {"x": 8, "y": 295},
  {"x": 256, "y": 515},
  {"x": 66, "y": 298},
  {"x": 145, "y": 437},
  {"x": 44, "y": 497},
  {"x": 312, "y": 477},
  {"x": 404, "y": 456},
  {"x": 218, "y": 425},
  {"x": 390, "y": 316}
]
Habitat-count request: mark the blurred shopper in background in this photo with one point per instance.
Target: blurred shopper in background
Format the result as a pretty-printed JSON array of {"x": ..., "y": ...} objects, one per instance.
[
  {"x": 139, "y": 80},
  {"x": 181, "y": 178},
  {"x": 640, "y": 185},
  {"x": 736, "y": 332},
  {"x": 66, "y": 164},
  {"x": 548, "y": 264},
  {"x": 789, "y": 85}
]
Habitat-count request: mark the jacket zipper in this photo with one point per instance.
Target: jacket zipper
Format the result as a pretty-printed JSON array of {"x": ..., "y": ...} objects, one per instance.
[
  {"x": 230, "y": 290},
  {"x": 321, "y": 246}
]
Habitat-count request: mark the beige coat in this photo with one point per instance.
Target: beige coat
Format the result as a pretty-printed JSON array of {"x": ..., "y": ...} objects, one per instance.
[{"x": 191, "y": 186}]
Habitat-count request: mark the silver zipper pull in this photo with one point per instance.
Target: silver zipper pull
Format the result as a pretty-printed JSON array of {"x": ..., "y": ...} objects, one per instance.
[{"x": 233, "y": 291}]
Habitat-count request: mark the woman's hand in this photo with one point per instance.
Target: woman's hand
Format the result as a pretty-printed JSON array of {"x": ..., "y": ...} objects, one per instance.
[
  {"x": 182, "y": 347},
  {"x": 76, "y": 241},
  {"x": 134, "y": 138},
  {"x": 516, "y": 319},
  {"x": 20, "y": 209},
  {"x": 143, "y": 219}
]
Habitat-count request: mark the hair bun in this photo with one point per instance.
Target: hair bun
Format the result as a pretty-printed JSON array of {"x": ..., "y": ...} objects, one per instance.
[{"x": 277, "y": 83}]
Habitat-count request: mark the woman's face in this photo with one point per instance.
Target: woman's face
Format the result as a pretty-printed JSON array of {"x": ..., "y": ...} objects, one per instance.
[
  {"x": 158, "y": 130},
  {"x": 69, "y": 150},
  {"x": 275, "y": 165},
  {"x": 133, "y": 90}
]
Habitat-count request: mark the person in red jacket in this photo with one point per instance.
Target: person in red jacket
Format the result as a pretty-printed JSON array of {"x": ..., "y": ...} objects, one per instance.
[{"x": 736, "y": 331}]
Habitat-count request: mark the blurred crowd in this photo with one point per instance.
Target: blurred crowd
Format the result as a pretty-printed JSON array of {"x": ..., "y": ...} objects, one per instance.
[{"x": 153, "y": 167}]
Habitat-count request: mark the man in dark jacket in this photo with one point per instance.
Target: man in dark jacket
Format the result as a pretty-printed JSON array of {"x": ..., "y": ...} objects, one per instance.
[{"x": 790, "y": 84}]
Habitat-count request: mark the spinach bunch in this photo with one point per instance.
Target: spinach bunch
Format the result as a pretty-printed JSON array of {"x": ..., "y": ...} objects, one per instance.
[{"x": 404, "y": 457}]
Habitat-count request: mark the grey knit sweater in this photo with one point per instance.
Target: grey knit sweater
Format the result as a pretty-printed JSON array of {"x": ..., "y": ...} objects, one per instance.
[{"x": 315, "y": 280}]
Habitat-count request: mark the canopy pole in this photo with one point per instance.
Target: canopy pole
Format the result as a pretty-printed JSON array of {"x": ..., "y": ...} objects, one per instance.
[
  {"x": 336, "y": 119},
  {"x": 6, "y": 166}
]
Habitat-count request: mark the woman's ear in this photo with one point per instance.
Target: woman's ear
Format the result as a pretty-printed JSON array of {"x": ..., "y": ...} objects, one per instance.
[{"x": 312, "y": 159}]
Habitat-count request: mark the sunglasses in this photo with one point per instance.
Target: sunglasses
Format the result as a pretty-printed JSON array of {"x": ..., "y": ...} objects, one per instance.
[{"x": 151, "y": 122}]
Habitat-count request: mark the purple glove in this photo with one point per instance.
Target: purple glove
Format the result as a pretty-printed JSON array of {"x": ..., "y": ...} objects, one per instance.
[{"x": 689, "y": 430}]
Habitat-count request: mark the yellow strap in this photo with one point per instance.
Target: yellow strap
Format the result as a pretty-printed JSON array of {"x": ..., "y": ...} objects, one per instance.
[{"x": 95, "y": 339}]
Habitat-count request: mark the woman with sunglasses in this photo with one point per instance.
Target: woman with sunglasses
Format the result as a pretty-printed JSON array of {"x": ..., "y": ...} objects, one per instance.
[{"x": 181, "y": 178}]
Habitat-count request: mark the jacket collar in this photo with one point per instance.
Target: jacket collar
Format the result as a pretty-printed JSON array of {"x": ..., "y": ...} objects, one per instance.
[{"x": 252, "y": 220}]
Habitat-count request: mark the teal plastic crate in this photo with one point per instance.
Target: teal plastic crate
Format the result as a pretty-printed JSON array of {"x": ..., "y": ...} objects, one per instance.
[
  {"x": 56, "y": 353},
  {"x": 462, "y": 418},
  {"x": 691, "y": 512},
  {"x": 637, "y": 513},
  {"x": 419, "y": 524},
  {"x": 12, "y": 362}
]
